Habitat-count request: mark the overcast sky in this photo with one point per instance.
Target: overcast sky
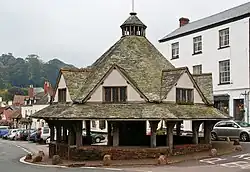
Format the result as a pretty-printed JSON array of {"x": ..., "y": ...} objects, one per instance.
[{"x": 80, "y": 31}]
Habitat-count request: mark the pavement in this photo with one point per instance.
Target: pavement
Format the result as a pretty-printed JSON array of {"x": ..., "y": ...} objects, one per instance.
[{"x": 12, "y": 151}]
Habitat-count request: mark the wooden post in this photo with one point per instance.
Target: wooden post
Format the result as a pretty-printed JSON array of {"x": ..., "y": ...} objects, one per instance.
[
  {"x": 178, "y": 129},
  {"x": 64, "y": 132},
  {"x": 208, "y": 127},
  {"x": 116, "y": 134},
  {"x": 88, "y": 129},
  {"x": 153, "y": 126},
  {"x": 109, "y": 134},
  {"x": 78, "y": 133},
  {"x": 58, "y": 133},
  {"x": 170, "y": 137},
  {"x": 195, "y": 129},
  {"x": 52, "y": 131}
]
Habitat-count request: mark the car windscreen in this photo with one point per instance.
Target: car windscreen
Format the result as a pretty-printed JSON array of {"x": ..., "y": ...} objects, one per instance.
[{"x": 243, "y": 124}]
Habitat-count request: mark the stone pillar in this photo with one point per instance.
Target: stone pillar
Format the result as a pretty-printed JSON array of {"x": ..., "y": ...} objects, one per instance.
[
  {"x": 109, "y": 134},
  {"x": 115, "y": 134},
  {"x": 78, "y": 133},
  {"x": 195, "y": 129},
  {"x": 153, "y": 126},
  {"x": 208, "y": 127},
  {"x": 170, "y": 139},
  {"x": 178, "y": 128}
]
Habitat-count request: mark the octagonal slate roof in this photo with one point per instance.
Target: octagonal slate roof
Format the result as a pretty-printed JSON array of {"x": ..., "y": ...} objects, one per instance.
[{"x": 139, "y": 58}]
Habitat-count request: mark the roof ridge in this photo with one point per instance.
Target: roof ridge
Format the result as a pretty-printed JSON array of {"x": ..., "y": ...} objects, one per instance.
[
  {"x": 218, "y": 13},
  {"x": 202, "y": 74},
  {"x": 226, "y": 16},
  {"x": 75, "y": 70},
  {"x": 175, "y": 69}
]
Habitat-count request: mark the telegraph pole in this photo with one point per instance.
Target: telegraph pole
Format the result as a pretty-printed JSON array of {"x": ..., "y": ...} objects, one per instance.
[{"x": 246, "y": 102}]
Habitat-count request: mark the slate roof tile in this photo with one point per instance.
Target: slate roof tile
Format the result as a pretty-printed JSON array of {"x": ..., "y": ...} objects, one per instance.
[
  {"x": 129, "y": 111},
  {"x": 240, "y": 10}
]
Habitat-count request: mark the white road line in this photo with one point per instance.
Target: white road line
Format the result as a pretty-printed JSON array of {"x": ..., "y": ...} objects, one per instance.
[
  {"x": 24, "y": 149},
  {"x": 212, "y": 160}
]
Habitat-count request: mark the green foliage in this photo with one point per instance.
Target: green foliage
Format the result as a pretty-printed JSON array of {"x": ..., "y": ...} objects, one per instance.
[{"x": 19, "y": 72}]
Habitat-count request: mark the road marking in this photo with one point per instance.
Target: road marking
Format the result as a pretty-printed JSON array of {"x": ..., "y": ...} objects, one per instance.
[
  {"x": 241, "y": 164},
  {"x": 241, "y": 156},
  {"x": 212, "y": 160},
  {"x": 40, "y": 165},
  {"x": 24, "y": 149}
]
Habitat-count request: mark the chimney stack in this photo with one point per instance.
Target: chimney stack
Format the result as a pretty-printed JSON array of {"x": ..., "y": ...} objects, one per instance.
[
  {"x": 31, "y": 91},
  {"x": 183, "y": 21},
  {"x": 46, "y": 87}
]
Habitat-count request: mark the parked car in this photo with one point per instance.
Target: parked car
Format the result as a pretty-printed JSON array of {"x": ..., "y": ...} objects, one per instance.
[
  {"x": 3, "y": 132},
  {"x": 12, "y": 134},
  {"x": 96, "y": 137},
  {"x": 32, "y": 136},
  {"x": 232, "y": 129},
  {"x": 23, "y": 134}
]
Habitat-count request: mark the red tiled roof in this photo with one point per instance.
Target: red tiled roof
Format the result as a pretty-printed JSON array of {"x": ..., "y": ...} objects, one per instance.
[{"x": 19, "y": 100}]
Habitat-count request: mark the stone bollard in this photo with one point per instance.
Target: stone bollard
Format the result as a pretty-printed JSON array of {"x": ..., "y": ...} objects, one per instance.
[
  {"x": 162, "y": 160},
  {"x": 236, "y": 142},
  {"x": 238, "y": 148},
  {"x": 213, "y": 152},
  {"x": 41, "y": 153},
  {"x": 107, "y": 160},
  {"x": 28, "y": 157},
  {"x": 37, "y": 158},
  {"x": 56, "y": 159}
]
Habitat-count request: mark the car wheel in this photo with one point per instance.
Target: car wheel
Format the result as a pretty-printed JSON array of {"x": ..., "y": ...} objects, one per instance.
[
  {"x": 214, "y": 136},
  {"x": 244, "y": 137},
  {"x": 98, "y": 140}
]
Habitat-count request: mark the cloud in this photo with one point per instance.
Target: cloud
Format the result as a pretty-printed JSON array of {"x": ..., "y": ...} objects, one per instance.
[{"x": 79, "y": 31}]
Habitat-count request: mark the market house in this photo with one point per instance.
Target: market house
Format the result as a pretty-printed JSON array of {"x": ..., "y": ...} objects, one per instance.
[{"x": 131, "y": 83}]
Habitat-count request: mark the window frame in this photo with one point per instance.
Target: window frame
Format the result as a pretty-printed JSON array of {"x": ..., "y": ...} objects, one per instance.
[
  {"x": 179, "y": 96},
  {"x": 197, "y": 43},
  {"x": 197, "y": 68},
  {"x": 219, "y": 125},
  {"x": 119, "y": 99},
  {"x": 224, "y": 37},
  {"x": 175, "y": 50},
  {"x": 64, "y": 97},
  {"x": 225, "y": 73},
  {"x": 93, "y": 124}
]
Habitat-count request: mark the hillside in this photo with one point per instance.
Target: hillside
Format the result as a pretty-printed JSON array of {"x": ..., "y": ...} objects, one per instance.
[{"x": 19, "y": 72}]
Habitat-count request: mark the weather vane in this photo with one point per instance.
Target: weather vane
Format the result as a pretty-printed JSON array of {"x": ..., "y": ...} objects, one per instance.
[{"x": 133, "y": 5}]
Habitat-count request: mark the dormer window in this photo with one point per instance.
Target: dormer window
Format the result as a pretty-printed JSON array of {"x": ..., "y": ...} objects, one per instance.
[
  {"x": 184, "y": 96},
  {"x": 62, "y": 95},
  {"x": 115, "y": 94}
]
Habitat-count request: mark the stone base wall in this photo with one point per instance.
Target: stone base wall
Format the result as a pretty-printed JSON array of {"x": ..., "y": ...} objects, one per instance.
[
  {"x": 59, "y": 149},
  {"x": 123, "y": 153}
]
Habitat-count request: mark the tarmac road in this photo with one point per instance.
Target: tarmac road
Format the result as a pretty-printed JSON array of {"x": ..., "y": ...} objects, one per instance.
[
  {"x": 10, "y": 156},
  {"x": 239, "y": 162}
]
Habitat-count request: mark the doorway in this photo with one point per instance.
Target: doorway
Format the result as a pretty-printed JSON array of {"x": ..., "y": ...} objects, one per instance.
[{"x": 239, "y": 111}]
